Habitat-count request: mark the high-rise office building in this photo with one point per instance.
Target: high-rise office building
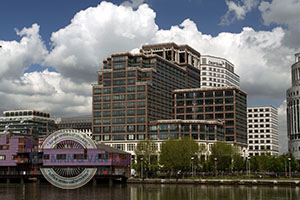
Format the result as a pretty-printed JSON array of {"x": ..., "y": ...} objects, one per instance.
[
  {"x": 134, "y": 100},
  {"x": 227, "y": 103},
  {"x": 217, "y": 72},
  {"x": 133, "y": 90},
  {"x": 262, "y": 130},
  {"x": 293, "y": 110}
]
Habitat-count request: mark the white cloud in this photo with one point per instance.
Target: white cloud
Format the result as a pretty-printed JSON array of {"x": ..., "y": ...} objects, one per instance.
[
  {"x": 284, "y": 13},
  {"x": 95, "y": 33},
  {"x": 238, "y": 10},
  {"x": 262, "y": 58},
  {"x": 282, "y": 126},
  {"x": 133, "y": 3},
  {"x": 16, "y": 56},
  {"x": 46, "y": 91}
]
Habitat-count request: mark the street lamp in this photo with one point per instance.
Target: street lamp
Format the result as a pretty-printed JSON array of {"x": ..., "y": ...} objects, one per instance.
[
  {"x": 192, "y": 158},
  {"x": 216, "y": 164},
  {"x": 289, "y": 159},
  {"x": 248, "y": 161},
  {"x": 142, "y": 167}
]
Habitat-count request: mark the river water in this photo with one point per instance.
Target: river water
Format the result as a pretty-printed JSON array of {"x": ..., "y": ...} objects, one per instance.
[{"x": 34, "y": 191}]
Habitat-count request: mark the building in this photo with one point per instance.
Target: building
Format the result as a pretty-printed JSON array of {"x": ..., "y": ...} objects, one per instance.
[
  {"x": 262, "y": 130},
  {"x": 133, "y": 90},
  {"x": 226, "y": 103},
  {"x": 30, "y": 122},
  {"x": 18, "y": 154},
  {"x": 82, "y": 123},
  {"x": 135, "y": 93},
  {"x": 293, "y": 110},
  {"x": 181, "y": 55},
  {"x": 217, "y": 72}
]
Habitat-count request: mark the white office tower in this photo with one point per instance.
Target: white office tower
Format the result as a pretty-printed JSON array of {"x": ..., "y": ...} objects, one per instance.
[
  {"x": 262, "y": 130},
  {"x": 293, "y": 110},
  {"x": 217, "y": 72}
]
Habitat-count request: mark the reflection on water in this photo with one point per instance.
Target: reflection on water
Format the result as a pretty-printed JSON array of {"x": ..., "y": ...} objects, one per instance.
[{"x": 35, "y": 191}]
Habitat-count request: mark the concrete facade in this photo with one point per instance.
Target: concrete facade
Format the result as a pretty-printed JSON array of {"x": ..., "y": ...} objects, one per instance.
[
  {"x": 262, "y": 130},
  {"x": 293, "y": 110},
  {"x": 217, "y": 72}
]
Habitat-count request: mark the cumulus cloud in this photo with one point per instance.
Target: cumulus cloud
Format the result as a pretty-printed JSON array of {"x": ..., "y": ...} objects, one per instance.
[
  {"x": 238, "y": 10},
  {"x": 46, "y": 91},
  {"x": 282, "y": 128},
  {"x": 95, "y": 33},
  {"x": 17, "y": 56},
  {"x": 261, "y": 58},
  {"x": 284, "y": 13},
  {"x": 133, "y": 3}
]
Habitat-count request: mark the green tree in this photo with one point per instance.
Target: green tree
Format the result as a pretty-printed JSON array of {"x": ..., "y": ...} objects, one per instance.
[
  {"x": 222, "y": 156},
  {"x": 177, "y": 155},
  {"x": 147, "y": 157}
]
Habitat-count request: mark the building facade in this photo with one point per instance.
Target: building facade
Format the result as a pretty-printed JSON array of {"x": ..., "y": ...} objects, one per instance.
[
  {"x": 133, "y": 90},
  {"x": 82, "y": 123},
  {"x": 134, "y": 99},
  {"x": 30, "y": 122},
  {"x": 227, "y": 103},
  {"x": 293, "y": 110},
  {"x": 262, "y": 130},
  {"x": 217, "y": 72}
]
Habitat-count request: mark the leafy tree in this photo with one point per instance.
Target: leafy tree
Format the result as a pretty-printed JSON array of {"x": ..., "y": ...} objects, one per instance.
[
  {"x": 222, "y": 155},
  {"x": 177, "y": 155},
  {"x": 147, "y": 158}
]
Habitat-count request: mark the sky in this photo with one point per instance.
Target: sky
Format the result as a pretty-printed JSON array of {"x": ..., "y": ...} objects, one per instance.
[{"x": 51, "y": 50}]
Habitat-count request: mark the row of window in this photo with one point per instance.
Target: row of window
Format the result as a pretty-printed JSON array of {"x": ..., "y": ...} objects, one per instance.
[
  {"x": 259, "y": 141},
  {"x": 259, "y": 110},
  {"x": 259, "y": 115},
  {"x": 259, "y": 131},
  {"x": 119, "y": 137},
  {"x": 260, "y": 120}
]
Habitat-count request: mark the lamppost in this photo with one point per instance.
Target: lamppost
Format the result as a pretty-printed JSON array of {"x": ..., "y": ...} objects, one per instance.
[
  {"x": 192, "y": 158},
  {"x": 290, "y": 167},
  {"x": 285, "y": 170},
  {"x": 142, "y": 168},
  {"x": 216, "y": 164},
  {"x": 248, "y": 160}
]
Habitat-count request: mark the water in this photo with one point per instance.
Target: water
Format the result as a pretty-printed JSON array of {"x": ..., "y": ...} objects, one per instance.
[{"x": 45, "y": 191}]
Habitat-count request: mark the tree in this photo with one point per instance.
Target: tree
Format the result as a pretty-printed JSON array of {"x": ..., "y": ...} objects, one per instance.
[
  {"x": 222, "y": 156},
  {"x": 177, "y": 155},
  {"x": 146, "y": 152}
]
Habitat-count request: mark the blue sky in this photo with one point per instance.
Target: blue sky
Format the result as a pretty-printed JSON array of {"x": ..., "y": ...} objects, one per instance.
[
  {"x": 55, "y": 14},
  {"x": 50, "y": 62}
]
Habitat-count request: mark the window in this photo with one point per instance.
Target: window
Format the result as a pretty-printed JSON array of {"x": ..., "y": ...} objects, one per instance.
[{"x": 2, "y": 157}]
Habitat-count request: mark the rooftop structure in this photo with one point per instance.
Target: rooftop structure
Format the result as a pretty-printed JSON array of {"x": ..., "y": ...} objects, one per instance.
[
  {"x": 30, "y": 122},
  {"x": 217, "y": 72},
  {"x": 82, "y": 123}
]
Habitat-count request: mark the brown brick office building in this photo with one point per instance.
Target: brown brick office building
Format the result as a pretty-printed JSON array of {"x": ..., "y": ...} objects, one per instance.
[
  {"x": 225, "y": 103},
  {"x": 134, "y": 91}
]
